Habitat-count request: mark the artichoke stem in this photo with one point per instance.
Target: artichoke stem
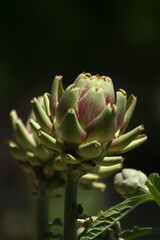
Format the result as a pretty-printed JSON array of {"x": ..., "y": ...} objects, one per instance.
[
  {"x": 71, "y": 190},
  {"x": 42, "y": 210}
]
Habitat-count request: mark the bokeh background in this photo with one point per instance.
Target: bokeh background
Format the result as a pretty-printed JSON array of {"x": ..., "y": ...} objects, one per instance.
[{"x": 39, "y": 39}]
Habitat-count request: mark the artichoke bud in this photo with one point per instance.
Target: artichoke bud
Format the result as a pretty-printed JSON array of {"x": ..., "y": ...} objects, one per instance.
[
  {"x": 41, "y": 116},
  {"x": 131, "y": 103},
  {"x": 104, "y": 172},
  {"x": 121, "y": 142},
  {"x": 16, "y": 152},
  {"x": 104, "y": 126},
  {"x": 109, "y": 161},
  {"x": 56, "y": 93},
  {"x": 70, "y": 130},
  {"x": 69, "y": 159},
  {"x": 50, "y": 142},
  {"x": 46, "y": 98},
  {"x": 89, "y": 150},
  {"x": 130, "y": 182}
]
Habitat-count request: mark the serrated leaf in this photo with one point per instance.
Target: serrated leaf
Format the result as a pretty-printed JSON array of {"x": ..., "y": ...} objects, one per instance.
[
  {"x": 153, "y": 183},
  {"x": 112, "y": 215},
  {"x": 138, "y": 232}
]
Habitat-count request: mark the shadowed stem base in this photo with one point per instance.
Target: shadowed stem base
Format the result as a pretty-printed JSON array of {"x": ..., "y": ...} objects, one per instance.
[
  {"x": 71, "y": 190},
  {"x": 42, "y": 210}
]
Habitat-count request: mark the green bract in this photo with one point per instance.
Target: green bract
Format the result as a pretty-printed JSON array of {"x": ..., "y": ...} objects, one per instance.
[
  {"x": 85, "y": 123},
  {"x": 130, "y": 182}
]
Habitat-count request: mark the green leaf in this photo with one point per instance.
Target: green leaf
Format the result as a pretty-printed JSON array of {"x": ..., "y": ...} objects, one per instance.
[
  {"x": 153, "y": 183},
  {"x": 137, "y": 232},
  {"x": 112, "y": 215}
]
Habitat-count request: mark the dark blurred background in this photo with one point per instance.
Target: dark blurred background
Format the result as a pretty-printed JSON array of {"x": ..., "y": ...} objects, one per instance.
[{"x": 39, "y": 39}]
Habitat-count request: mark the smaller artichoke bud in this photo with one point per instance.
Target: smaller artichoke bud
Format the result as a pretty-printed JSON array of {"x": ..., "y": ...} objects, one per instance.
[{"x": 130, "y": 182}]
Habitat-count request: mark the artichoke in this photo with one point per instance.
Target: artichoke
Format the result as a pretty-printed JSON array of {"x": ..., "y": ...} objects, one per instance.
[
  {"x": 85, "y": 124},
  {"x": 130, "y": 182}
]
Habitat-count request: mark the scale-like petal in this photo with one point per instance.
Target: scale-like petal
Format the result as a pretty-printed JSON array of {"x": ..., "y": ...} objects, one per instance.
[
  {"x": 70, "y": 130},
  {"x": 89, "y": 150},
  {"x": 90, "y": 106},
  {"x": 68, "y": 100},
  {"x": 109, "y": 161},
  {"x": 41, "y": 116},
  {"x": 121, "y": 107},
  {"x": 24, "y": 138},
  {"x": 135, "y": 143},
  {"x": 104, "y": 126},
  {"x": 56, "y": 93},
  {"x": 50, "y": 142},
  {"x": 121, "y": 142},
  {"x": 46, "y": 98},
  {"x": 131, "y": 103},
  {"x": 104, "y": 172}
]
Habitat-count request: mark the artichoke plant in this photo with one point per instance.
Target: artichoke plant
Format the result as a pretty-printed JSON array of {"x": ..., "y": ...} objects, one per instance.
[
  {"x": 45, "y": 168},
  {"x": 85, "y": 124},
  {"x": 130, "y": 182}
]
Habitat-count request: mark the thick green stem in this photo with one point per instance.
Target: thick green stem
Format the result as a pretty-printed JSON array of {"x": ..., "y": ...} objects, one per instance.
[
  {"x": 71, "y": 190},
  {"x": 42, "y": 210}
]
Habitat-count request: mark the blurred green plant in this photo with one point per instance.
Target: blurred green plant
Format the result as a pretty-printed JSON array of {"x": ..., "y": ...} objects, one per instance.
[{"x": 75, "y": 138}]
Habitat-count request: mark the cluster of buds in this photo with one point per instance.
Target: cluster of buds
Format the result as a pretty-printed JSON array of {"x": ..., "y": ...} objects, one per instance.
[
  {"x": 31, "y": 155},
  {"x": 130, "y": 182},
  {"x": 82, "y": 126}
]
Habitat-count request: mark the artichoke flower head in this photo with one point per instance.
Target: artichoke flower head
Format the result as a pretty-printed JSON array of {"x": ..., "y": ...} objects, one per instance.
[{"x": 85, "y": 123}]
